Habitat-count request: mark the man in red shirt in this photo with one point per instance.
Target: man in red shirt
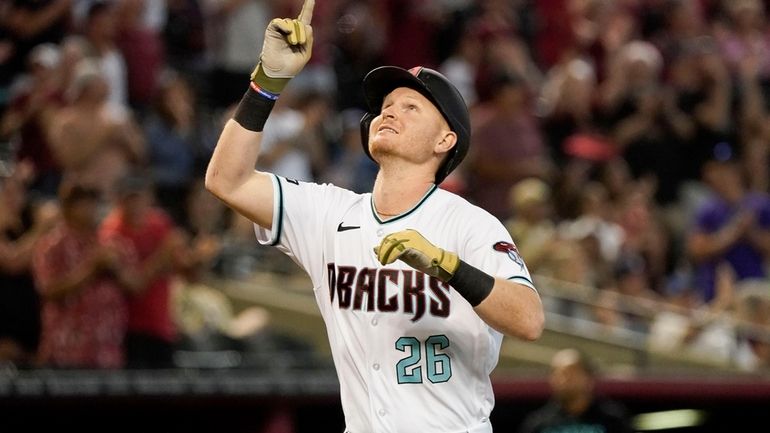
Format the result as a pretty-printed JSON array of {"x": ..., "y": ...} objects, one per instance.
[{"x": 151, "y": 330}]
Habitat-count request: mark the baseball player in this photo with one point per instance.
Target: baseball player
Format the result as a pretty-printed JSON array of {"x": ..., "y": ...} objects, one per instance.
[{"x": 416, "y": 285}]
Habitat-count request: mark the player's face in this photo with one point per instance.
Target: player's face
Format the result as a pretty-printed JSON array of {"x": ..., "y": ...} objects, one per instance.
[{"x": 409, "y": 127}]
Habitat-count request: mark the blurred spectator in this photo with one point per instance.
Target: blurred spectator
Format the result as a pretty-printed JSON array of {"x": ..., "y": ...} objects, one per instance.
[
  {"x": 351, "y": 168},
  {"x": 508, "y": 145},
  {"x": 596, "y": 230},
  {"x": 461, "y": 66},
  {"x": 685, "y": 324},
  {"x": 638, "y": 302},
  {"x": 357, "y": 49},
  {"x": 82, "y": 281},
  {"x": 743, "y": 34},
  {"x": 74, "y": 48},
  {"x": 184, "y": 37},
  {"x": 504, "y": 53},
  {"x": 751, "y": 123},
  {"x": 571, "y": 29},
  {"x": 178, "y": 142},
  {"x": 143, "y": 52},
  {"x": 575, "y": 406},
  {"x": 753, "y": 327},
  {"x": 642, "y": 118},
  {"x": 93, "y": 141},
  {"x": 530, "y": 226},
  {"x": 633, "y": 77},
  {"x": 316, "y": 109},
  {"x": 235, "y": 28},
  {"x": 700, "y": 86},
  {"x": 606, "y": 310},
  {"x": 202, "y": 313},
  {"x": 568, "y": 185},
  {"x": 555, "y": 32},
  {"x": 101, "y": 29},
  {"x": 414, "y": 25},
  {"x": 36, "y": 96},
  {"x": 205, "y": 224},
  {"x": 733, "y": 225},
  {"x": 27, "y": 24},
  {"x": 149, "y": 230},
  {"x": 566, "y": 103},
  {"x": 645, "y": 232},
  {"x": 293, "y": 144},
  {"x": 669, "y": 23},
  {"x": 548, "y": 254},
  {"x": 22, "y": 224}
]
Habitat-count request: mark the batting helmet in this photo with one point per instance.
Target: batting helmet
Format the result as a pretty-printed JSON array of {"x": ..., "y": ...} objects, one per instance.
[{"x": 434, "y": 86}]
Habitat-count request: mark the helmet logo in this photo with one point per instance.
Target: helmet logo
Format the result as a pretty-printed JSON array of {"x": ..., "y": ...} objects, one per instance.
[{"x": 416, "y": 70}]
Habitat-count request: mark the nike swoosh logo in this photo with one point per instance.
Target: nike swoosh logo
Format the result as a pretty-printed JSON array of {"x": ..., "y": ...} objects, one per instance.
[{"x": 341, "y": 228}]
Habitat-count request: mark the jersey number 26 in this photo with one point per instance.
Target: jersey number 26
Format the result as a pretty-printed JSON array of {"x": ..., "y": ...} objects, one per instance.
[{"x": 438, "y": 365}]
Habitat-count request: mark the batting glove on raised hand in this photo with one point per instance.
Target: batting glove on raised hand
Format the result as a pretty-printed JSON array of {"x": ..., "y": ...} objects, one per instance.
[
  {"x": 413, "y": 249},
  {"x": 285, "y": 51}
]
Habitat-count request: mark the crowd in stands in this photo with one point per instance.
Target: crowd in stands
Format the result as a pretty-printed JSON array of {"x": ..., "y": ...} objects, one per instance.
[{"x": 625, "y": 144}]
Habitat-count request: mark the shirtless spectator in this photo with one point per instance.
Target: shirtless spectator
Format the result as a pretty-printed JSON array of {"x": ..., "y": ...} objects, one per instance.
[{"x": 95, "y": 142}]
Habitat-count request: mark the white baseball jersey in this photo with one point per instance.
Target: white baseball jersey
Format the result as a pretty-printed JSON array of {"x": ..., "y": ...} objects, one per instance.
[{"x": 411, "y": 354}]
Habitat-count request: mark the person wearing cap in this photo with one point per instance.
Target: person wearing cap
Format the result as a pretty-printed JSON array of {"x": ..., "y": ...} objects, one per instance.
[
  {"x": 416, "y": 286},
  {"x": 36, "y": 96}
]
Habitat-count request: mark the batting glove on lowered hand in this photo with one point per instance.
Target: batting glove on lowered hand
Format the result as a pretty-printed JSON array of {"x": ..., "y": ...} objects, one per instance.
[
  {"x": 412, "y": 248},
  {"x": 285, "y": 51}
]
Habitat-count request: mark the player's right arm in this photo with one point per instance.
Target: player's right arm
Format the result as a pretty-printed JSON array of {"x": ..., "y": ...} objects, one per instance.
[
  {"x": 232, "y": 178},
  {"x": 231, "y": 175}
]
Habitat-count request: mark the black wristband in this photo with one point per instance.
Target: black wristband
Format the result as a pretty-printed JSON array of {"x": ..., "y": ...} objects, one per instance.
[
  {"x": 474, "y": 284},
  {"x": 253, "y": 110}
]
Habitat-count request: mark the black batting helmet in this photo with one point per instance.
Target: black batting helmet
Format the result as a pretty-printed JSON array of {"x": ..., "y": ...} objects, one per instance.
[{"x": 434, "y": 86}]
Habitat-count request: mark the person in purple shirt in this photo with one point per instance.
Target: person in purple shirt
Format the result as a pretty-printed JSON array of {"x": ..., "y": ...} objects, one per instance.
[{"x": 732, "y": 226}]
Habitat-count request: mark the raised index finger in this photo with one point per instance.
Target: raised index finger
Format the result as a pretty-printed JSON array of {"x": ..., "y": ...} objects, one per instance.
[{"x": 307, "y": 12}]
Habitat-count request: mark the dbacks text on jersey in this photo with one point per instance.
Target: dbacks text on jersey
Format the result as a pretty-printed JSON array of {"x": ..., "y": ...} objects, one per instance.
[{"x": 367, "y": 290}]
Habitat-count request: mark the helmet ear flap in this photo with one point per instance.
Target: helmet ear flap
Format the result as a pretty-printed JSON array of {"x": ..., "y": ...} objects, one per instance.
[{"x": 366, "y": 121}]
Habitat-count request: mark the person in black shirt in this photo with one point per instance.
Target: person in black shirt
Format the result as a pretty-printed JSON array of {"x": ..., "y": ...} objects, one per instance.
[
  {"x": 22, "y": 223},
  {"x": 574, "y": 406}
]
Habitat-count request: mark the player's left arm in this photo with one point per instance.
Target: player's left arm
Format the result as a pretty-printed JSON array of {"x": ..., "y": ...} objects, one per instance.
[
  {"x": 513, "y": 309},
  {"x": 509, "y": 307}
]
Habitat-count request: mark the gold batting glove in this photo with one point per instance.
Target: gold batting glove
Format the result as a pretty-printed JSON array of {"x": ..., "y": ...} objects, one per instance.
[
  {"x": 413, "y": 249},
  {"x": 285, "y": 51}
]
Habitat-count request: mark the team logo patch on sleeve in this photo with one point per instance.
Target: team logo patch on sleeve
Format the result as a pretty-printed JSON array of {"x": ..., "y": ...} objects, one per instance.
[{"x": 510, "y": 249}]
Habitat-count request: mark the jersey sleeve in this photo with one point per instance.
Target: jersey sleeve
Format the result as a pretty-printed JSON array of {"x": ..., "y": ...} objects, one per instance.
[
  {"x": 489, "y": 247},
  {"x": 300, "y": 212}
]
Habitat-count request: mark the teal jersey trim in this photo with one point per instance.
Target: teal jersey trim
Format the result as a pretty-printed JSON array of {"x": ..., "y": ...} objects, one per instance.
[
  {"x": 280, "y": 213},
  {"x": 525, "y": 279},
  {"x": 433, "y": 188}
]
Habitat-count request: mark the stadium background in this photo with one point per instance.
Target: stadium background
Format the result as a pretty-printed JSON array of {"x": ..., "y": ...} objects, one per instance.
[{"x": 617, "y": 107}]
